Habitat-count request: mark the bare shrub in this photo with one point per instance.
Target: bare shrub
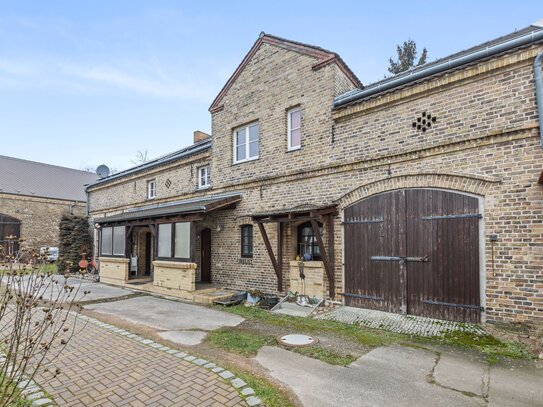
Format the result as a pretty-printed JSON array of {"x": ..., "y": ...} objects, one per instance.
[{"x": 38, "y": 315}]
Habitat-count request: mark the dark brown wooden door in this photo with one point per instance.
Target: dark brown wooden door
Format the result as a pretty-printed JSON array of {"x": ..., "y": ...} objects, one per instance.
[
  {"x": 9, "y": 226},
  {"x": 414, "y": 251},
  {"x": 205, "y": 255}
]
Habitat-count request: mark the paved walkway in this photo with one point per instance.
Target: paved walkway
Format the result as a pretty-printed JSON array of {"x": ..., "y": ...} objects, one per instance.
[
  {"x": 405, "y": 324},
  {"x": 106, "y": 366},
  {"x": 403, "y": 376}
]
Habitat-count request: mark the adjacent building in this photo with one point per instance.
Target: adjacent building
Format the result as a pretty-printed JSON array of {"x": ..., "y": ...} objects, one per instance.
[
  {"x": 33, "y": 198},
  {"x": 418, "y": 194}
]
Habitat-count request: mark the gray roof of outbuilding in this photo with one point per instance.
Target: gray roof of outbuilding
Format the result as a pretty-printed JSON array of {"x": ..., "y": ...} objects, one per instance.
[{"x": 23, "y": 177}]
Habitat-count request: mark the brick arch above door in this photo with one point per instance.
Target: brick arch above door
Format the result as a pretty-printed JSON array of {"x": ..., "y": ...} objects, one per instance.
[{"x": 474, "y": 184}]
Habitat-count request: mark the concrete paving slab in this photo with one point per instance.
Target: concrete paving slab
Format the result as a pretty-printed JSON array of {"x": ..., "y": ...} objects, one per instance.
[
  {"x": 98, "y": 291},
  {"x": 189, "y": 338},
  {"x": 516, "y": 386},
  {"x": 166, "y": 315},
  {"x": 388, "y": 376},
  {"x": 462, "y": 372}
]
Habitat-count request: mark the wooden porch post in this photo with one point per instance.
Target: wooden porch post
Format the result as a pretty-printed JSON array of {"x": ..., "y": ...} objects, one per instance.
[
  {"x": 332, "y": 256},
  {"x": 329, "y": 272},
  {"x": 278, "y": 271},
  {"x": 280, "y": 255}
]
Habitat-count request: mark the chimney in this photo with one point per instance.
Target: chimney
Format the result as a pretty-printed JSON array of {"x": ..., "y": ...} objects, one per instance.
[{"x": 200, "y": 136}]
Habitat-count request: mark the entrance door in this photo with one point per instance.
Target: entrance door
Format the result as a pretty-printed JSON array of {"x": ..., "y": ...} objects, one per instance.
[
  {"x": 205, "y": 255},
  {"x": 414, "y": 251},
  {"x": 9, "y": 227},
  {"x": 148, "y": 258}
]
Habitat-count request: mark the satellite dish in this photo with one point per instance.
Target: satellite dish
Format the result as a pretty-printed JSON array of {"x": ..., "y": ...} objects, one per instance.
[{"x": 102, "y": 171}]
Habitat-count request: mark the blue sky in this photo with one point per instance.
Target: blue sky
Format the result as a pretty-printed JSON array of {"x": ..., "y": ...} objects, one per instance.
[{"x": 89, "y": 82}]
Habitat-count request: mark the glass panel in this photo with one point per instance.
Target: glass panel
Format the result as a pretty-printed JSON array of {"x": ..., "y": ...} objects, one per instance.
[
  {"x": 107, "y": 239},
  {"x": 240, "y": 153},
  {"x": 295, "y": 138},
  {"x": 296, "y": 119},
  {"x": 240, "y": 137},
  {"x": 208, "y": 176},
  {"x": 253, "y": 149},
  {"x": 182, "y": 240},
  {"x": 118, "y": 240},
  {"x": 165, "y": 240},
  {"x": 253, "y": 132}
]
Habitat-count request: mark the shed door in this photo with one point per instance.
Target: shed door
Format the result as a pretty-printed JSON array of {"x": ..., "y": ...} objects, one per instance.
[
  {"x": 414, "y": 251},
  {"x": 9, "y": 227}
]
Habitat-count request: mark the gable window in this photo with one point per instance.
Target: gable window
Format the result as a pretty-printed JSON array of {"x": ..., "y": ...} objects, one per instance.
[
  {"x": 112, "y": 242},
  {"x": 204, "y": 177},
  {"x": 151, "y": 189},
  {"x": 308, "y": 248},
  {"x": 174, "y": 241},
  {"x": 246, "y": 143},
  {"x": 247, "y": 241},
  {"x": 294, "y": 129}
]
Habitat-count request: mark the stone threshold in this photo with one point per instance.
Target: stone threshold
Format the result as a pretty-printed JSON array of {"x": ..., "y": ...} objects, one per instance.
[{"x": 246, "y": 392}]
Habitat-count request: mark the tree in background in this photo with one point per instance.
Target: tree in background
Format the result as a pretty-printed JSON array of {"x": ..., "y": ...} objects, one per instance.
[
  {"x": 75, "y": 239},
  {"x": 142, "y": 156},
  {"x": 407, "y": 54}
]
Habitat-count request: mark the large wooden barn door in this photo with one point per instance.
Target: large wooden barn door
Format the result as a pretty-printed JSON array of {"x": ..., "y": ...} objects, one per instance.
[
  {"x": 9, "y": 227},
  {"x": 414, "y": 251}
]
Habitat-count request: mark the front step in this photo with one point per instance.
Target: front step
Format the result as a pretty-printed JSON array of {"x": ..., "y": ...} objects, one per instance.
[{"x": 209, "y": 295}]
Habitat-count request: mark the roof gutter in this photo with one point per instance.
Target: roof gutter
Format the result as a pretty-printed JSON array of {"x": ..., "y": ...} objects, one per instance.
[
  {"x": 538, "y": 77},
  {"x": 526, "y": 39}
]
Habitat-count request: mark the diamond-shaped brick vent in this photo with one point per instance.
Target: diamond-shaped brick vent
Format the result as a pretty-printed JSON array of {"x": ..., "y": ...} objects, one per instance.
[
  {"x": 168, "y": 183},
  {"x": 424, "y": 122}
]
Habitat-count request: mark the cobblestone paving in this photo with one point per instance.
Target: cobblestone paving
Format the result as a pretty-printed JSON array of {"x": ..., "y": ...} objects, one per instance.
[
  {"x": 106, "y": 366},
  {"x": 406, "y": 324}
]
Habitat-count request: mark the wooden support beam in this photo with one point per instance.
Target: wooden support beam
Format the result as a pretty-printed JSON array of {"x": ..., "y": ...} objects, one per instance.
[
  {"x": 280, "y": 253},
  {"x": 331, "y": 254},
  {"x": 317, "y": 232},
  {"x": 272, "y": 256}
]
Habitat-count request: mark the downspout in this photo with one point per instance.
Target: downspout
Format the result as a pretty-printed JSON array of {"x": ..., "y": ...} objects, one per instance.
[{"x": 538, "y": 77}]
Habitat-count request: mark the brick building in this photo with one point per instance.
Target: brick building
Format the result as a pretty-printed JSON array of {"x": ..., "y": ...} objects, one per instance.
[
  {"x": 34, "y": 196},
  {"x": 418, "y": 194}
]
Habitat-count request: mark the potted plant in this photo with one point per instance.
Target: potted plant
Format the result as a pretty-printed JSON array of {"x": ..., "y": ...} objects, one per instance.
[{"x": 254, "y": 296}]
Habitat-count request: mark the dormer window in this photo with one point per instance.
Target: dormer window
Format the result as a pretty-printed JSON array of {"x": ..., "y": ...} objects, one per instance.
[
  {"x": 151, "y": 189},
  {"x": 204, "y": 177},
  {"x": 246, "y": 143},
  {"x": 294, "y": 129}
]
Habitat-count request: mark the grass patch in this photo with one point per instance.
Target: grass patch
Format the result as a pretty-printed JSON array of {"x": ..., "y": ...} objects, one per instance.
[
  {"x": 492, "y": 348},
  {"x": 364, "y": 336},
  {"x": 269, "y": 394},
  {"x": 234, "y": 340},
  {"x": 326, "y": 355},
  {"x": 489, "y": 346},
  {"x": 17, "y": 400}
]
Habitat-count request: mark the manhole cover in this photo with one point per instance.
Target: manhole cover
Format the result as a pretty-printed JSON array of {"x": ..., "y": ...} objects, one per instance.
[{"x": 297, "y": 340}]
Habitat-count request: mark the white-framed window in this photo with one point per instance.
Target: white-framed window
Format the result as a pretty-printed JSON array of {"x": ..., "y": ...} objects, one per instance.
[
  {"x": 204, "y": 177},
  {"x": 246, "y": 143},
  {"x": 151, "y": 189},
  {"x": 294, "y": 128}
]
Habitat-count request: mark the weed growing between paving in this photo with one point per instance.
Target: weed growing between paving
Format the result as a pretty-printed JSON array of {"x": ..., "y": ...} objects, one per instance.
[{"x": 491, "y": 347}]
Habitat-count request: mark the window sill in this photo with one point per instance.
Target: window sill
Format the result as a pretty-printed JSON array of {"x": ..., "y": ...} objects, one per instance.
[
  {"x": 291, "y": 149},
  {"x": 244, "y": 161},
  {"x": 245, "y": 260},
  {"x": 203, "y": 187}
]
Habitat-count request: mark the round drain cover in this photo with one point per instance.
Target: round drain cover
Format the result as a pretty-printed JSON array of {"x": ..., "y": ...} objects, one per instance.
[{"x": 297, "y": 340}]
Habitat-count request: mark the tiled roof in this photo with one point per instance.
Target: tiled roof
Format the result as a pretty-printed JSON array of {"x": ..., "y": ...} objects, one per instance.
[{"x": 22, "y": 177}]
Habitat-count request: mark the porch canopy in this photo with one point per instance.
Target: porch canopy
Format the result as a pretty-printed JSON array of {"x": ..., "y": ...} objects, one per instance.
[
  {"x": 177, "y": 245},
  {"x": 302, "y": 213},
  {"x": 187, "y": 210}
]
